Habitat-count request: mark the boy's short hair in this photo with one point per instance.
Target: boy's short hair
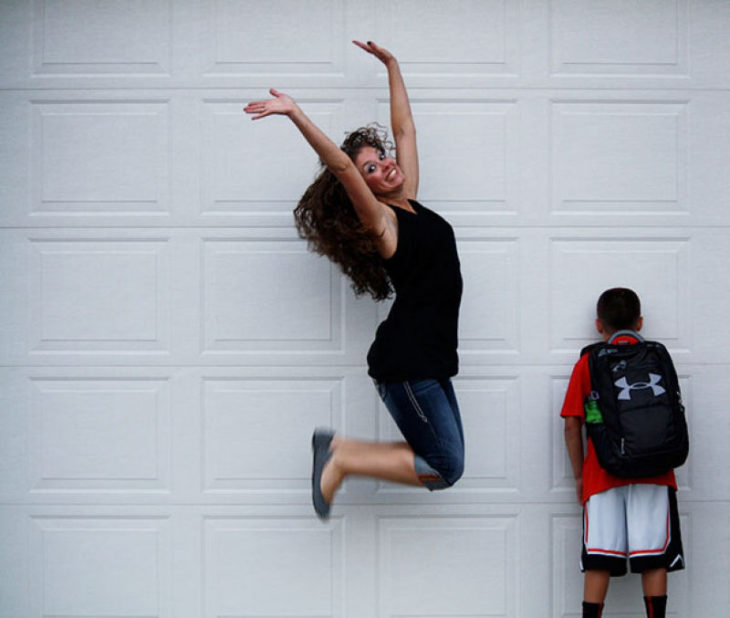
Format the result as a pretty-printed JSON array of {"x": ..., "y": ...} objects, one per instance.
[{"x": 618, "y": 309}]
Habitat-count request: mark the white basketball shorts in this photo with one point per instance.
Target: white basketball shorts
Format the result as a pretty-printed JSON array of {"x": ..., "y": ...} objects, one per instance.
[{"x": 638, "y": 522}]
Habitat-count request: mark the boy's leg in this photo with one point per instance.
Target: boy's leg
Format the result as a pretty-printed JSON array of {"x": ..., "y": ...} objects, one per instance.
[
  {"x": 604, "y": 547},
  {"x": 655, "y": 542},
  {"x": 654, "y": 585},
  {"x": 592, "y": 610},
  {"x": 656, "y": 607},
  {"x": 654, "y": 582},
  {"x": 595, "y": 585}
]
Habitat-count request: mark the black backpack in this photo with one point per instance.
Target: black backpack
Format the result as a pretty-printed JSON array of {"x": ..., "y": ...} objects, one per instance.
[{"x": 634, "y": 414}]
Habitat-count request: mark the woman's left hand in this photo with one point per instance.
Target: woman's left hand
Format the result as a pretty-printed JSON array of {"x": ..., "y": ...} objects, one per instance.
[
  {"x": 281, "y": 104},
  {"x": 380, "y": 53}
]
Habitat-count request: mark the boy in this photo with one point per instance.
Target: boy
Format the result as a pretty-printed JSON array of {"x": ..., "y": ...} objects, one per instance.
[{"x": 622, "y": 517}]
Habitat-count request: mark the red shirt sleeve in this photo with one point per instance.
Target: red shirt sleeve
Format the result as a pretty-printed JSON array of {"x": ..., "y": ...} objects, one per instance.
[{"x": 578, "y": 389}]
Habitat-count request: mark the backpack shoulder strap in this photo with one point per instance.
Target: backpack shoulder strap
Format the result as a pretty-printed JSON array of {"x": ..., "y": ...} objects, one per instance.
[{"x": 590, "y": 347}]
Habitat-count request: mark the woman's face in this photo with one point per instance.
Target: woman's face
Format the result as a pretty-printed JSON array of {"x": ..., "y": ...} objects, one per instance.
[{"x": 381, "y": 172}]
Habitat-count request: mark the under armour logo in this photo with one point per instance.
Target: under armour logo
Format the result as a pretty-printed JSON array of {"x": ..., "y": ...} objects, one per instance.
[{"x": 626, "y": 388}]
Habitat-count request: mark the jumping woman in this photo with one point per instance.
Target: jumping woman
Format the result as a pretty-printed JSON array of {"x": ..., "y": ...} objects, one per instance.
[{"x": 361, "y": 212}]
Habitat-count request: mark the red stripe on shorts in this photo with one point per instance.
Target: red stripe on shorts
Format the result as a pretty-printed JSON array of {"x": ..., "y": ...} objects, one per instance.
[{"x": 660, "y": 550}]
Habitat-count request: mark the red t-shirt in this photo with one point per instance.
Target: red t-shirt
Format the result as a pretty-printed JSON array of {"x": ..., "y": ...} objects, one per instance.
[{"x": 595, "y": 478}]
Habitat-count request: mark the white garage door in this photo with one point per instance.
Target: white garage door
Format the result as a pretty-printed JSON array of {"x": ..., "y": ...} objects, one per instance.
[{"x": 168, "y": 343}]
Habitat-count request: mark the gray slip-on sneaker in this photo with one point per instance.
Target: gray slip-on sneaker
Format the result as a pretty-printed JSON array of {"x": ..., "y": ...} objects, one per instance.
[{"x": 321, "y": 453}]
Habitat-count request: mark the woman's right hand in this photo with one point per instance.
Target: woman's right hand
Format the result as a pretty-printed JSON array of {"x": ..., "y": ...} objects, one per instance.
[
  {"x": 380, "y": 53},
  {"x": 280, "y": 104}
]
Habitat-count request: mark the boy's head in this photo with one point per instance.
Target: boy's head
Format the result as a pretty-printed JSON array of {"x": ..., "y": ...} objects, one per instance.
[{"x": 618, "y": 309}]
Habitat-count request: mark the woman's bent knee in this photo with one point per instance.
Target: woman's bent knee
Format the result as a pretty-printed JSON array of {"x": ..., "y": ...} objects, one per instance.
[
  {"x": 440, "y": 474},
  {"x": 453, "y": 470}
]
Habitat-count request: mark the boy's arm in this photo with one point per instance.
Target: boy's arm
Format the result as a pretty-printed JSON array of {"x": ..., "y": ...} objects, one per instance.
[
  {"x": 574, "y": 445},
  {"x": 574, "y": 414}
]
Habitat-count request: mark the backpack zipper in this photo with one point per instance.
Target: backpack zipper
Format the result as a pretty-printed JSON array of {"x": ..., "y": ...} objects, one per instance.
[{"x": 623, "y": 450}]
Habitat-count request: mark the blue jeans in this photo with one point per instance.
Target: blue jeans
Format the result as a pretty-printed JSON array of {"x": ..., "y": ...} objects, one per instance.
[{"x": 428, "y": 416}]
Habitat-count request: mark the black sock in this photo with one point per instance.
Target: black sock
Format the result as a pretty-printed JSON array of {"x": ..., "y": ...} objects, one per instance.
[
  {"x": 592, "y": 610},
  {"x": 656, "y": 607}
]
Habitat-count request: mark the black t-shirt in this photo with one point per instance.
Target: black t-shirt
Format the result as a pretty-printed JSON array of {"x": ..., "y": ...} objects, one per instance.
[{"x": 419, "y": 337}]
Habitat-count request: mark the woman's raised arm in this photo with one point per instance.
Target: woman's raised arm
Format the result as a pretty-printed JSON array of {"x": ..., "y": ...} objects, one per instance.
[
  {"x": 369, "y": 210},
  {"x": 401, "y": 118}
]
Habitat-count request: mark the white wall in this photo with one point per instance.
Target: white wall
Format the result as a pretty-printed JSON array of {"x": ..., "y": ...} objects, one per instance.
[{"x": 168, "y": 343}]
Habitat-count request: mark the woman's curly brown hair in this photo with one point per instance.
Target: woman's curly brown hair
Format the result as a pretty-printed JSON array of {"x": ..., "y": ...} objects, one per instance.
[{"x": 326, "y": 218}]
